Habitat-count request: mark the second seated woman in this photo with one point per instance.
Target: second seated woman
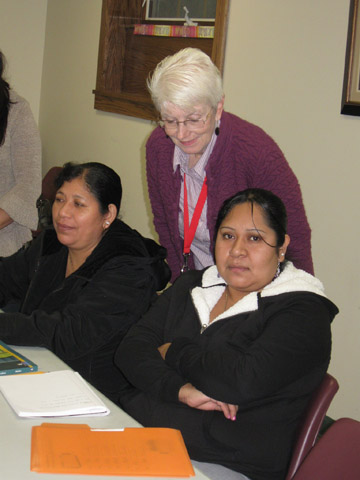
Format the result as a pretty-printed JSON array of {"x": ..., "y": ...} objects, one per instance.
[
  {"x": 83, "y": 284},
  {"x": 203, "y": 155},
  {"x": 231, "y": 355}
]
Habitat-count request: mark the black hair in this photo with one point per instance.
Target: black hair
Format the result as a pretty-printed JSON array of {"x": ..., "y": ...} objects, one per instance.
[
  {"x": 273, "y": 209},
  {"x": 4, "y": 100},
  {"x": 102, "y": 181}
]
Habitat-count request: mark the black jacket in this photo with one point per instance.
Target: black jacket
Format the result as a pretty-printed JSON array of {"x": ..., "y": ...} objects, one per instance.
[
  {"x": 83, "y": 317},
  {"x": 266, "y": 354}
]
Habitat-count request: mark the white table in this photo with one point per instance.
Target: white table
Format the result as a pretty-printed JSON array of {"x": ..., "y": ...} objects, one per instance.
[{"x": 15, "y": 432}]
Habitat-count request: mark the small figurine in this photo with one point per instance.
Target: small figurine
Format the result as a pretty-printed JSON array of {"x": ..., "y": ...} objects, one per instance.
[{"x": 188, "y": 20}]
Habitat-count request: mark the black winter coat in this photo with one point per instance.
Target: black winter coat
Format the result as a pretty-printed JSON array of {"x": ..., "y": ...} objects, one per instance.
[
  {"x": 83, "y": 317},
  {"x": 266, "y": 354}
]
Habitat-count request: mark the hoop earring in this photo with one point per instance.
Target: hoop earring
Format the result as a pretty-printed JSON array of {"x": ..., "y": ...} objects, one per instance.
[{"x": 277, "y": 273}]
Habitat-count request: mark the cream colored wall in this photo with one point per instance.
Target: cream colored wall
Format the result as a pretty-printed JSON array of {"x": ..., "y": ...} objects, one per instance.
[
  {"x": 22, "y": 38},
  {"x": 284, "y": 72},
  {"x": 71, "y": 129}
]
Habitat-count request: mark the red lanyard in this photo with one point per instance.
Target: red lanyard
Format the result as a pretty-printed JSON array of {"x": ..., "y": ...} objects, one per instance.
[{"x": 189, "y": 230}]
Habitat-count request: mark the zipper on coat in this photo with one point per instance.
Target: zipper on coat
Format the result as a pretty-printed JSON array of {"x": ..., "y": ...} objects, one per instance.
[
  {"x": 37, "y": 265},
  {"x": 203, "y": 326}
]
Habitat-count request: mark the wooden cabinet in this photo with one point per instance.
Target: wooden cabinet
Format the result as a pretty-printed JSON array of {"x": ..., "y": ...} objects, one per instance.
[{"x": 125, "y": 59}]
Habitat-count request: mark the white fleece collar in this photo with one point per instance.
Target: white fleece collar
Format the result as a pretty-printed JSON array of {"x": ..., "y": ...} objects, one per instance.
[{"x": 213, "y": 285}]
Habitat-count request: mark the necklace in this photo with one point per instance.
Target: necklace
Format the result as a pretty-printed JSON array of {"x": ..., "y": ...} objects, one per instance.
[{"x": 71, "y": 265}]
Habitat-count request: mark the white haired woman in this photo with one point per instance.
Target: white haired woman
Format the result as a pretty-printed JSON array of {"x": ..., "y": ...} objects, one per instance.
[{"x": 200, "y": 155}]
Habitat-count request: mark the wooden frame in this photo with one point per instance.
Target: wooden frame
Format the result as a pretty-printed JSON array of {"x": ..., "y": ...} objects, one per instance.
[
  {"x": 350, "y": 104},
  {"x": 125, "y": 60}
]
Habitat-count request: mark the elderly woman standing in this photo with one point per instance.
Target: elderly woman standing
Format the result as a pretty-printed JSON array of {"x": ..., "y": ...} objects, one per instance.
[
  {"x": 20, "y": 168},
  {"x": 83, "y": 284},
  {"x": 230, "y": 355},
  {"x": 201, "y": 155}
]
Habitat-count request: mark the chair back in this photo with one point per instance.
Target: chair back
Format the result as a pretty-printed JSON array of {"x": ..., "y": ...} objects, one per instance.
[
  {"x": 45, "y": 200},
  {"x": 48, "y": 189},
  {"x": 336, "y": 455},
  {"x": 311, "y": 422}
]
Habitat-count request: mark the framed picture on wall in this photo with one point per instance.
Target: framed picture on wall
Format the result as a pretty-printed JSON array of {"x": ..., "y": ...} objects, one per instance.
[
  {"x": 128, "y": 52},
  {"x": 350, "y": 104},
  {"x": 176, "y": 10}
]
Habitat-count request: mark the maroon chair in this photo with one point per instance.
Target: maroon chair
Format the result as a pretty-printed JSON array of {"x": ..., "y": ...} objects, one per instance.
[
  {"x": 336, "y": 456},
  {"x": 46, "y": 199},
  {"x": 48, "y": 189},
  {"x": 312, "y": 420}
]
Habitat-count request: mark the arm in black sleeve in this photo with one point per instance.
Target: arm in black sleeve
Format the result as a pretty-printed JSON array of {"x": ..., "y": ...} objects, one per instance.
[
  {"x": 295, "y": 340},
  {"x": 104, "y": 307},
  {"x": 139, "y": 359},
  {"x": 15, "y": 272}
]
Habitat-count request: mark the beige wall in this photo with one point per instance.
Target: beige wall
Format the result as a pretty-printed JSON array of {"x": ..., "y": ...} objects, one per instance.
[
  {"x": 71, "y": 129},
  {"x": 284, "y": 72},
  {"x": 22, "y": 38}
]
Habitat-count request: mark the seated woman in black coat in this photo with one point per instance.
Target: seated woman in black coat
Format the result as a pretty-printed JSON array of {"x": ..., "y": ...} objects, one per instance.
[
  {"x": 83, "y": 284},
  {"x": 231, "y": 355}
]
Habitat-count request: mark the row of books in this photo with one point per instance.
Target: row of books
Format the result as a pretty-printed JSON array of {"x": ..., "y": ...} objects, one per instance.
[{"x": 193, "y": 31}]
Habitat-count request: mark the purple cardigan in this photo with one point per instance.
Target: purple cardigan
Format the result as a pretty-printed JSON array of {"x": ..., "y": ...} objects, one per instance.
[{"x": 244, "y": 156}]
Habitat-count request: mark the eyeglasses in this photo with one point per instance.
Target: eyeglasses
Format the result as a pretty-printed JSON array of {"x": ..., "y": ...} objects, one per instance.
[{"x": 191, "y": 124}]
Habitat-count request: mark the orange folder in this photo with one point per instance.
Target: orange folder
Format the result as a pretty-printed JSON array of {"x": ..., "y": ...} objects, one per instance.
[{"x": 78, "y": 449}]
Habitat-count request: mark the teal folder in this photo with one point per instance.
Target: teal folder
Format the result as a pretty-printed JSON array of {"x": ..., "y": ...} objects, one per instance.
[{"x": 12, "y": 362}]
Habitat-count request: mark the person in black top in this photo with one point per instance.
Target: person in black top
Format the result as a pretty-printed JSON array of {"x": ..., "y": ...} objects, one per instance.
[
  {"x": 231, "y": 355},
  {"x": 82, "y": 284}
]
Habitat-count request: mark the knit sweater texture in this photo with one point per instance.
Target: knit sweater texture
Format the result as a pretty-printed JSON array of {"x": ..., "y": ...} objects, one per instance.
[
  {"x": 244, "y": 156},
  {"x": 20, "y": 175}
]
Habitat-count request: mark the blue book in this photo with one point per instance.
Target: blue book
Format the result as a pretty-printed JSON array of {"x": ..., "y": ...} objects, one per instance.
[{"x": 12, "y": 362}]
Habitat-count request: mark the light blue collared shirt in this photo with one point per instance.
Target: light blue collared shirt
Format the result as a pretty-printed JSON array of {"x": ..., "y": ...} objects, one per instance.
[{"x": 195, "y": 176}]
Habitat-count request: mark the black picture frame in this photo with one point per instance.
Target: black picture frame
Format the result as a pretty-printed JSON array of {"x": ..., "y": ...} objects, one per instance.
[{"x": 350, "y": 103}]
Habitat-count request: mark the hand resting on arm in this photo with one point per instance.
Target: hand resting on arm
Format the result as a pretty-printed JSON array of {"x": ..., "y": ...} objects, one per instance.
[{"x": 194, "y": 398}]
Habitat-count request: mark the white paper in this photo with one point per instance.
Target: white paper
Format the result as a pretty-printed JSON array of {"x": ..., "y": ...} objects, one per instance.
[{"x": 54, "y": 394}]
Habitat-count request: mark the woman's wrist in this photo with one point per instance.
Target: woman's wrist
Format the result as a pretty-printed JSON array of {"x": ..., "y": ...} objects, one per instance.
[{"x": 5, "y": 219}]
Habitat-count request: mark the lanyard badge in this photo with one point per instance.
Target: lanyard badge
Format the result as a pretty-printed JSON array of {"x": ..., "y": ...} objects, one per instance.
[{"x": 189, "y": 230}]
